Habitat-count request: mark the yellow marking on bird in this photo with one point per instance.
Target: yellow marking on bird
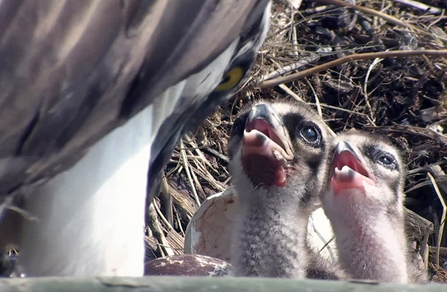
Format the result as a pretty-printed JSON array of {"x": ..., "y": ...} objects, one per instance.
[{"x": 231, "y": 79}]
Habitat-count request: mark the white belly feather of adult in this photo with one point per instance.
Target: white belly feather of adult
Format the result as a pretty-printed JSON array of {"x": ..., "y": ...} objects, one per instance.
[{"x": 90, "y": 219}]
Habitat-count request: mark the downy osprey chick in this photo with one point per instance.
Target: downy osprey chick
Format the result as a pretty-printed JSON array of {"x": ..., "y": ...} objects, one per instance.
[
  {"x": 278, "y": 156},
  {"x": 364, "y": 199}
]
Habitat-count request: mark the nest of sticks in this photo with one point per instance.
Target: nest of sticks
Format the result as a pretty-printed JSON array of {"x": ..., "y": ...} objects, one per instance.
[{"x": 339, "y": 57}]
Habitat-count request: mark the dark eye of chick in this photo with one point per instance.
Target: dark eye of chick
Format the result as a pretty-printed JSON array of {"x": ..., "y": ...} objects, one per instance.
[
  {"x": 386, "y": 160},
  {"x": 311, "y": 135},
  {"x": 381, "y": 157}
]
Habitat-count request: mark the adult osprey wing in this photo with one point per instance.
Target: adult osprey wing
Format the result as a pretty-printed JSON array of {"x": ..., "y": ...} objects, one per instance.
[{"x": 73, "y": 70}]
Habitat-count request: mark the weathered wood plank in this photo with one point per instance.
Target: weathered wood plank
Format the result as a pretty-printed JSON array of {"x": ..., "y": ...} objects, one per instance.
[{"x": 193, "y": 284}]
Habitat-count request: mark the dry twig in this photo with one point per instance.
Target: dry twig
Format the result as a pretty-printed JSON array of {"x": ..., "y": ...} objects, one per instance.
[
  {"x": 350, "y": 58},
  {"x": 188, "y": 173},
  {"x": 442, "y": 222},
  {"x": 384, "y": 16}
]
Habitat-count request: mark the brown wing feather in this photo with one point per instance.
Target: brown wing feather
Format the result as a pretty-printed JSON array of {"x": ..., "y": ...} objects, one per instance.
[{"x": 72, "y": 70}]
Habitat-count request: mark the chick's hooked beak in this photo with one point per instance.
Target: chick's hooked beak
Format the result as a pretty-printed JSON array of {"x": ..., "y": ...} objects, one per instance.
[
  {"x": 348, "y": 170},
  {"x": 266, "y": 147}
]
